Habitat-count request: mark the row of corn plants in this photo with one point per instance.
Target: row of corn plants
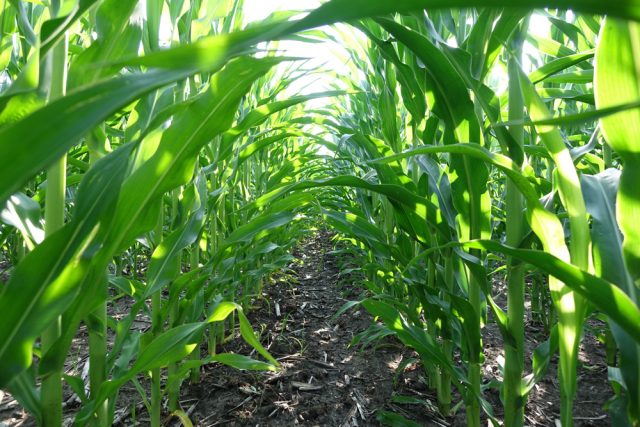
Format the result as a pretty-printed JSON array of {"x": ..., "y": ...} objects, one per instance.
[
  {"x": 147, "y": 205},
  {"x": 172, "y": 171},
  {"x": 548, "y": 153}
]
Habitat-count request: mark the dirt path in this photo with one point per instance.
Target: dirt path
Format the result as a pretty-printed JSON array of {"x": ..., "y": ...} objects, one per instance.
[{"x": 323, "y": 382}]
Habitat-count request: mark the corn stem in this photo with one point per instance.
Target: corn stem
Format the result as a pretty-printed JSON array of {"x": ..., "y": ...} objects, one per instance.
[
  {"x": 51, "y": 391},
  {"x": 514, "y": 399},
  {"x": 156, "y": 324}
]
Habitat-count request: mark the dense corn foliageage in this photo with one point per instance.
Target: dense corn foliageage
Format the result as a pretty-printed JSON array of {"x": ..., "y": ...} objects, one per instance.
[
  {"x": 191, "y": 167},
  {"x": 548, "y": 228}
]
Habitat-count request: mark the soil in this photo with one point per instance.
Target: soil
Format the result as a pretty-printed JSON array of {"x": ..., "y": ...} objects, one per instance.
[{"x": 324, "y": 381}]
